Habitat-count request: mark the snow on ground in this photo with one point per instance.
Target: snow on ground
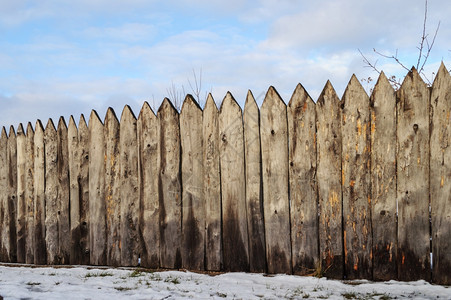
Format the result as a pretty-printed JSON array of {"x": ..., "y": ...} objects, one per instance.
[{"x": 85, "y": 283}]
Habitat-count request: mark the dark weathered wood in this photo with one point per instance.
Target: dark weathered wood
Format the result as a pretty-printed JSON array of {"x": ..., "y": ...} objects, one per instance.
[
  {"x": 254, "y": 186},
  {"x": 148, "y": 152},
  {"x": 112, "y": 188},
  {"x": 63, "y": 214},
  {"x": 51, "y": 194},
  {"x": 303, "y": 189},
  {"x": 274, "y": 147},
  {"x": 29, "y": 196},
  {"x": 21, "y": 206},
  {"x": 129, "y": 203},
  {"x": 74, "y": 192},
  {"x": 212, "y": 186},
  {"x": 4, "y": 211},
  {"x": 169, "y": 187},
  {"x": 383, "y": 179},
  {"x": 193, "y": 201},
  {"x": 40, "y": 253},
  {"x": 83, "y": 186},
  {"x": 234, "y": 218},
  {"x": 440, "y": 176},
  {"x": 97, "y": 207},
  {"x": 355, "y": 164},
  {"x": 328, "y": 124},
  {"x": 12, "y": 193},
  {"x": 413, "y": 179}
]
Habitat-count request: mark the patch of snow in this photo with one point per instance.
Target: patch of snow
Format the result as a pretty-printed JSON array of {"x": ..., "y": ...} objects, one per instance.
[{"x": 86, "y": 283}]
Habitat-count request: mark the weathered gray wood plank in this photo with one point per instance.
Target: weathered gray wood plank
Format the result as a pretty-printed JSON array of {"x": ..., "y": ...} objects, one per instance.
[
  {"x": 83, "y": 186},
  {"x": 40, "y": 253},
  {"x": 413, "y": 179},
  {"x": 328, "y": 124},
  {"x": 254, "y": 186},
  {"x": 51, "y": 194},
  {"x": 147, "y": 127},
  {"x": 129, "y": 203},
  {"x": 440, "y": 176},
  {"x": 169, "y": 187},
  {"x": 234, "y": 218},
  {"x": 21, "y": 206},
  {"x": 301, "y": 112},
  {"x": 274, "y": 147},
  {"x": 97, "y": 207},
  {"x": 29, "y": 196},
  {"x": 383, "y": 179},
  {"x": 4, "y": 211},
  {"x": 193, "y": 201},
  {"x": 63, "y": 213},
  {"x": 112, "y": 187},
  {"x": 74, "y": 192},
  {"x": 355, "y": 164},
  {"x": 12, "y": 193},
  {"x": 212, "y": 186}
]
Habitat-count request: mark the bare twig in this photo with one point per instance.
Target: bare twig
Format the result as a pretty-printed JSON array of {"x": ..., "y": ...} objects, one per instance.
[{"x": 424, "y": 50}]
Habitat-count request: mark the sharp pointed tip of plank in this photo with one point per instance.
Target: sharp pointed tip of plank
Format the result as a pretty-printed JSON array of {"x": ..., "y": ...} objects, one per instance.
[
  {"x": 29, "y": 128},
  {"x": 250, "y": 100},
  {"x": 94, "y": 117},
  {"x": 50, "y": 125},
  {"x": 4, "y": 134},
  {"x": 166, "y": 102},
  {"x": 411, "y": 77},
  {"x": 190, "y": 101},
  {"x": 62, "y": 123},
  {"x": 328, "y": 90},
  {"x": 111, "y": 114},
  {"x": 39, "y": 125},
  {"x": 442, "y": 72},
  {"x": 71, "y": 120},
  {"x": 229, "y": 100},
  {"x": 299, "y": 93},
  {"x": 82, "y": 122},
  {"x": 20, "y": 129},
  {"x": 127, "y": 112},
  {"x": 353, "y": 84},
  {"x": 210, "y": 103},
  {"x": 272, "y": 96},
  {"x": 146, "y": 109}
]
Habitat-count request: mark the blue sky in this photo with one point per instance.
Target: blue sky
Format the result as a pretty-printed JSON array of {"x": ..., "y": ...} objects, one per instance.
[{"x": 68, "y": 57}]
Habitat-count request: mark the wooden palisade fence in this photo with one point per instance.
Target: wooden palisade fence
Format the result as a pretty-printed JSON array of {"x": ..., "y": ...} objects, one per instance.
[{"x": 339, "y": 188}]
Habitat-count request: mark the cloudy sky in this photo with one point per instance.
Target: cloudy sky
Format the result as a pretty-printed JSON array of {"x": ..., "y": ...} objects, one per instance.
[{"x": 68, "y": 57}]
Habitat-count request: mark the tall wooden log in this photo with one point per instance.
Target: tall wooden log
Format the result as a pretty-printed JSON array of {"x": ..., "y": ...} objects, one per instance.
[
  {"x": 112, "y": 188},
  {"x": 440, "y": 176},
  {"x": 274, "y": 145},
  {"x": 355, "y": 164},
  {"x": 51, "y": 194},
  {"x": 328, "y": 124},
  {"x": 234, "y": 218},
  {"x": 303, "y": 189},
  {"x": 4, "y": 210},
  {"x": 129, "y": 203},
  {"x": 254, "y": 186},
  {"x": 148, "y": 153},
  {"x": 12, "y": 193},
  {"x": 74, "y": 192},
  {"x": 193, "y": 201},
  {"x": 413, "y": 179},
  {"x": 169, "y": 187},
  {"x": 29, "y": 196},
  {"x": 212, "y": 186},
  {"x": 40, "y": 253},
  {"x": 21, "y": 206},
  {"x": 383, "y": 179},
  {"x": 97, "y": 207},
  {"x": 63, "y": 213},
  {"x": 83, "y": 186}
]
